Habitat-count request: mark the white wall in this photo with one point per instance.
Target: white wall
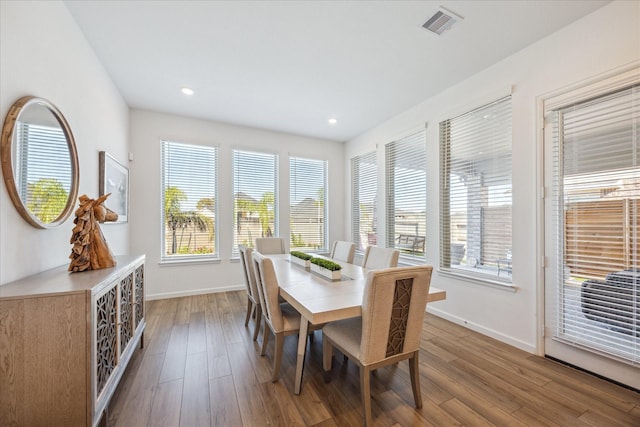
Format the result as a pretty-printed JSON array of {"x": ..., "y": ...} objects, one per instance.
[
  {"x": 604, "y": 40},
  {"x": 148, "y": 129},
  {"x": 44, "y": 54}
]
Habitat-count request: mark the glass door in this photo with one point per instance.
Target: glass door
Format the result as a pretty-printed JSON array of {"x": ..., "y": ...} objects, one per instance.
[{"x": 592, "y": 233}]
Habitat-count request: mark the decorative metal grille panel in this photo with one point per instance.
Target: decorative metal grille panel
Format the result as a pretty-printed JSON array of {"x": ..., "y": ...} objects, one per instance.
[
  {"x": 399, "y": 316},
  {"x": 139, "y": 294},
  {"x": 106, "y": 337},
  {"x": 126, "y": 311}
]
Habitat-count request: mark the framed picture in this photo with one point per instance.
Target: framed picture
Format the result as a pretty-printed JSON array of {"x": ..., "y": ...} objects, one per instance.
[{"x": 114, "y": 179}]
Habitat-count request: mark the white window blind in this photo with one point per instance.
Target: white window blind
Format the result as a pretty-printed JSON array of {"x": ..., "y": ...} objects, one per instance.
[
  {"x": 44, "y": 182},
  {"x": 363, "y": 200},
  {"x": 406, "y": 185},
  {"x": 475, "y": 191},
  {"x": 308, "y": 203},
  {"x": 255, "y": 197},
  {"x": 596, "y": 196},
  {"x": 189, "y": 195}
]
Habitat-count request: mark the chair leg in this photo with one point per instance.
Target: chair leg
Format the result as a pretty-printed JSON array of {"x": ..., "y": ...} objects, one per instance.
[
  {"x": 249, "y": 309},
  {"x": 327, "y": 358},
  {"x": 277, "y": 358},
  {"x": 265, "y": 338},
  {"x": 258, "y": 320},
  {"x": 414, "y": 371},
  {"x": 365, "y": 392}
]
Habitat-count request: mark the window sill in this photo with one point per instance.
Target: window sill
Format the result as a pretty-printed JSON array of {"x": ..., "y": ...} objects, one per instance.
[
  {"x": 476, "y": 280},
  {"x": 189, "y": 260}
]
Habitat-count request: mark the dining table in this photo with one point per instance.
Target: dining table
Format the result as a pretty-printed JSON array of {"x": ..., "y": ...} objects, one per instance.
[{"x": 320, "y": 300}]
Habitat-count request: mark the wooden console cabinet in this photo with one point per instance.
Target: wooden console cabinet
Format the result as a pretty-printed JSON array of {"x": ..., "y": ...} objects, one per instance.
[{"x": 65, "y": 341}]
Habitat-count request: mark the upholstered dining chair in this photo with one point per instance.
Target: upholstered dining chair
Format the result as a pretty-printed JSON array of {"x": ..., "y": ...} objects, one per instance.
[
  {"x": 253, "y": 298},
  {"x": 343, "y": 251},
  {"x": 270, "y": 245},
  {"x": 376, "y": 258},
  {"x": 393, "y": 306},
  {"x": 282, "y": 319}
]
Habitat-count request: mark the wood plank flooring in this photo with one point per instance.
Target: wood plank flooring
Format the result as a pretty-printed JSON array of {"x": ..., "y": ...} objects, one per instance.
[{"x": 200, "y": 367}]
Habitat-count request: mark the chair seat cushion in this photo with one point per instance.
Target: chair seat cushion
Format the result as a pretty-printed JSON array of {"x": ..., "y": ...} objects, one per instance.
[
  {"x": 347, "y": 333},
  {"x": 290, "y": 317}
]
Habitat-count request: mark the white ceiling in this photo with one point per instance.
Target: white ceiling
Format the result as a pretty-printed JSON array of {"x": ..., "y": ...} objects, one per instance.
[{"x": 290, "y": 65}]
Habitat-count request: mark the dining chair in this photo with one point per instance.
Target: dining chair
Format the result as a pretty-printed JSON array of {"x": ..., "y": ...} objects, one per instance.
[
  {"x": 270, "y": 245},
  {"x": 282, "y": 319},
  {"x": 253, "y": 299},
  {"x": 343, "y": 251},
  {"x": 376, "y": 258},
  {"x": 393, "y": 306}
]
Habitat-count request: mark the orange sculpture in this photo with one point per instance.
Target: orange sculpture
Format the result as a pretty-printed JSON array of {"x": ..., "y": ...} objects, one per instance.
[{"x": 90, "y": 250}]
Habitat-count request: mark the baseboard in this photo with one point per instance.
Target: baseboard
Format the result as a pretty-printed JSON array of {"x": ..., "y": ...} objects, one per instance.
[
  {"x": 529, "y": 348},
  {"x": 177, "y": 294}
]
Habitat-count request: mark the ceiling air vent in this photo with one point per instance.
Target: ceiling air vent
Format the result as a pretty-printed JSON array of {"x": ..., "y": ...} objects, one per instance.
[{"x": 441, "y": 21}]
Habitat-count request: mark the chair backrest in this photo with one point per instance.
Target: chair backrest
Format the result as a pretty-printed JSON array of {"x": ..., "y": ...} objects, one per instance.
[
  {"x": 376, "y": 258},
  {"x": 393, "y": 306},
  {"x": 270, "y": 245},
  {"x": 343, "y": 251},
  {"x": 268, "y": 290},
  {"x": 249, "y": 275}
]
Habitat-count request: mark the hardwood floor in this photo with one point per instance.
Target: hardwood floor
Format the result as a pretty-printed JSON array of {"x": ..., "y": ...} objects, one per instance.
[{"x": 200, "y": 367}]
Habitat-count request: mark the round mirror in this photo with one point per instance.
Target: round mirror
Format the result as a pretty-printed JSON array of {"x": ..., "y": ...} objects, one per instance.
[{"x": 39, "y": 162}]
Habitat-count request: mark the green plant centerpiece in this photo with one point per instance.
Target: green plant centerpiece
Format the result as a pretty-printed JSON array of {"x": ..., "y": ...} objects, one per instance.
[
  {"x": 327, "y": 268},
  {"x": 301, "y": 255},
  {"x": 300, "y": 258}
]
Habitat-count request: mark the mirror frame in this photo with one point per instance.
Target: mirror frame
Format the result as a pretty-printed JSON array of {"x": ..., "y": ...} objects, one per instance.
[{"x": 7, "y": 166}]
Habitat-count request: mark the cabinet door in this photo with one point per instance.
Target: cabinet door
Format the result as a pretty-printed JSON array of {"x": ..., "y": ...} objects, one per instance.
[
  {"x": 126, "y": 311},
  {"x": 139, "y": 295},
  {"x": 106, "y": 336}
]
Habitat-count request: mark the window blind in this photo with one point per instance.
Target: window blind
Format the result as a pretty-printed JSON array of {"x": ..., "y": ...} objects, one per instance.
[
  {"x": 596, "y": 196},
  {"x": 44, "y": 182},
  {"x": 475, "y": 191},
  {"x": 308, "y": 203},
  {"x": 406, "y": 186},
  {"x": 189, "y": 195},
  {"x": 255, "y": 197},
  {"x": 363, "y": 200}
]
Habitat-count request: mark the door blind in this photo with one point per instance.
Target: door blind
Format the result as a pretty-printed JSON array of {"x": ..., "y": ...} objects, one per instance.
[{"x": 597, "y": 212}]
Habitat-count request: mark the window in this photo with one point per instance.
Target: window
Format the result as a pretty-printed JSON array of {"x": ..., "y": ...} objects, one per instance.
[
  {"x": 363, "y": 200},
  {"x": 406, "y": 183},
  {"x": 255, "y": 197},
  {"x": 189, "y": 194},
  {"x": 596, "y": 205},
  {"x": 475, "y": 191},
  {"x": 308, "y": 203}
]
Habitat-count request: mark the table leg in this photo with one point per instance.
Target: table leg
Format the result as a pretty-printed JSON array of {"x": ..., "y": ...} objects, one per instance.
[{"x": 302, "y": 347}]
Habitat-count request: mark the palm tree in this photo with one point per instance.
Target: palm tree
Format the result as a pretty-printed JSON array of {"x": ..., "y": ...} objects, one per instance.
[
  {"x": 47, "y": 199},
  {"x": 266, "y": 212},
  {"x": 178, "y": 219}
]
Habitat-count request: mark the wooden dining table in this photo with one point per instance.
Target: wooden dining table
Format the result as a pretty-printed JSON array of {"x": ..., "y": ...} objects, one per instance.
[{"x": 320, "y": 300}]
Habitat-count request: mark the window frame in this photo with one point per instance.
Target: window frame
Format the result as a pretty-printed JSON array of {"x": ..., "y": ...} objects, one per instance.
[
  {"x": 276, "y": 180},
  {"x": 293, "y": 160},
  {"x": 356, "y": 162},
  {"x": 469, "y": 272},
  {"x": 394, "y": 151},
  {"x": 186, "y": 258}
]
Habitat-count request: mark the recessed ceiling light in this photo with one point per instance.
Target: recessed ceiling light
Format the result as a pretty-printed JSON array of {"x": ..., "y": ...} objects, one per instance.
[
  {"x": 187, "y": 91},
  {"x": 332, "y": 121}
]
